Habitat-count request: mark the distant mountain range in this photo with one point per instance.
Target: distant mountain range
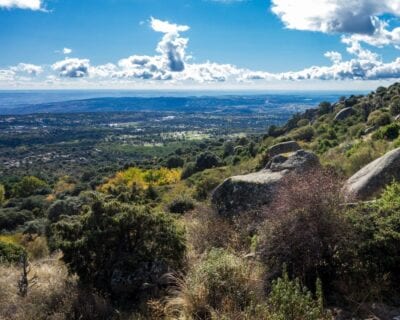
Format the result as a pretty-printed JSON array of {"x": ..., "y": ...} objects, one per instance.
[{"x": 225, "y": 104}]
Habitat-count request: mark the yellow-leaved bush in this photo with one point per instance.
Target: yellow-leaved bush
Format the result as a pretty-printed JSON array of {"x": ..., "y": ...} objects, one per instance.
[{"x": 141, "y": 178}]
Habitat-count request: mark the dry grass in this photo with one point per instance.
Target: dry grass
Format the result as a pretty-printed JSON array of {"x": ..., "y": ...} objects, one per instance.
[
  {"x": 206, "y": 230},
  {"x": 44, "y": 298},
  {"x": 53, "y": 295},
  {"x": 220, "y": 285}
]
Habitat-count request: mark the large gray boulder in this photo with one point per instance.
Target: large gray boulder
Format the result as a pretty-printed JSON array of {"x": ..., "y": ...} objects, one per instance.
[
  {"x": 344, "y": 113},
  {"x": 283, "y": 147},
  {"x": 251, "y": 191},
  {"x": 298, "y": 161},
  {"x": 371, "y": 179}
]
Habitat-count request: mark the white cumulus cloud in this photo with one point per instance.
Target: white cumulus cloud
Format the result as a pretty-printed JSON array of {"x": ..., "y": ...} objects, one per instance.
[
  {"x": 361, "y": 19},
  {"x": 72, "y": 67},
  {"x": 67, "y": 51},
  {"x": 171, "y": 64},
  {"x": 30, "y": 69},
  {"x": 22, "y": 4}
]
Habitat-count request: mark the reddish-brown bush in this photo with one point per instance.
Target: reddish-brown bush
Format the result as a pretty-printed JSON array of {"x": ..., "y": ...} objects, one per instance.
[{"x": 304, "y": 228}]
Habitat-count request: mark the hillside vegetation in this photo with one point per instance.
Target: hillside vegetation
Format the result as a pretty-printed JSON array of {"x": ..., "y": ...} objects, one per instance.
[{"x": 145, "y": 242}]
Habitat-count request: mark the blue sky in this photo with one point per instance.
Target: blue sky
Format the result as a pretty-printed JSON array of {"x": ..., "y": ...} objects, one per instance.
[{"x": 213, "y": 43}]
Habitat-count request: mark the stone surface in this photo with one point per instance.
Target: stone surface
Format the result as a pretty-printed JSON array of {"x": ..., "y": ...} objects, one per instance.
[
  {"x": 372, "y": 178},
  {"x": 370, "y": 129},
  {"x": 344, "y": 113},
  {"x": 299, "y": 161},
  {"x": 284, "y": 147},
  {"x": 251, "y": 191}
]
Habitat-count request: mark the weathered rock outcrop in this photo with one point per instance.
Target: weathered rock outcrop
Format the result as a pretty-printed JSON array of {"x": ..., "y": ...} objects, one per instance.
[
  {"x": 371, "y": 179},
  {"x": 284, "y": 147},
  {"x": 248, "y": 192},
  {"x": 344, "y": 113}
]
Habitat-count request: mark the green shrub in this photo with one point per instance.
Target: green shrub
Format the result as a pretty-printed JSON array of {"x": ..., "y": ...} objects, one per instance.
[
  {"x": 67, "y": 207},
  {"x": 274, "y": 131},
  {"x": 11, "y": 218},
  {"x": 363, "y": 153},
  {"x": 207, "y": 160},
  {"x": 304, "y": 133},
  {"x": 2, "y": 194},
  {"x": 324, "y": 108},
  {"x": 30, "y": 185},
  {"x": 289, "y": 300},
  {"x": 379, "y": 118},
  {"x": 37, "y": 204},
  {"x": 205, "y": 185},
  {"x": 229, "y": 149},
  {"x": 356, "y": 130},
  {"x": 389, "y": 132},
  {"x": 117, "y": 248},
  {"x": 188, "y": 170},
  {"x": 303, "y": 122},
  {"x": 174, "y": 162},
  {"x": 377, "y": 227},
  {"x": 10, "y": 253},
  {"x": 181, "y": 204},
  {"x": 324, "y": 145},
  {"x": 394, "y": 106}
]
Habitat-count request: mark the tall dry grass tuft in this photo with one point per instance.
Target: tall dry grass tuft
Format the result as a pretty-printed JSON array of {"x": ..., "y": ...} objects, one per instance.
[
  {"x": 206, "y": 230},
  {"x": 53, "y": 295},
  {"x": 46, "y": 297},
  {"x": 221, "y": 285}
]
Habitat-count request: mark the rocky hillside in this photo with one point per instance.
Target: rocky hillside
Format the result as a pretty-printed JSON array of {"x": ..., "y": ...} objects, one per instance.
[
  {"x": 346, "y": 136},
  {"x": 349, "y": 133},
  {"x": 325, "y": 202}
]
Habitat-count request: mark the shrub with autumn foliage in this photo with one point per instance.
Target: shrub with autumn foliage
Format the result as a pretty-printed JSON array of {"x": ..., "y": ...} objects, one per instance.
[{"x": 136, "y": 178}]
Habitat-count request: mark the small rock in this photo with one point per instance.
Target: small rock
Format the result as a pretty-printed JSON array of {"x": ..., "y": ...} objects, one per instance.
[
  {"x": 344, "y": 113},
  {"x": 284, "y": 147},
  {"x": 370, "y": 129}
]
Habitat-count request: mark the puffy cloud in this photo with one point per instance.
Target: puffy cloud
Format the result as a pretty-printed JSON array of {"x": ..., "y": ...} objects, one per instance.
[
  {"x": 365, "y": 65},
  {"x": 21, "y": 4},
  {"x": 359, "y": 19},
  {"x": 167, "y": 27},
  {"x": 334, "y": 56},
  {"x": 144, "y": 67},
  {"x": 172, "y": 47},
  {"x": 171, "y": 64},
  {"x": 102, "y": 71},
  {"x": 28, "y": 68},
  {"x": 6, "y": 75},
  {"x": 210, "y": 72},
  {"x": 72, "y": 67},
  {"x": 67, "y": 51}
]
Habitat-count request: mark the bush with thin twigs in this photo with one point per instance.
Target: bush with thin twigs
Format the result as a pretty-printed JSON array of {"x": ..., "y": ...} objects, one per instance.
[{"x": 305, "y": 229}]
